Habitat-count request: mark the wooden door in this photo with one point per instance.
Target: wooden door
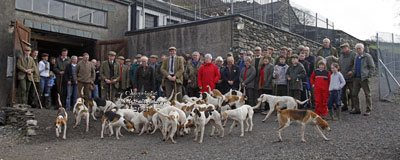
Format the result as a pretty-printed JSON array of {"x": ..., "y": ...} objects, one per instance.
[
  {"x": 22, "y": 38},
  {"x": 118, "y": 46}
]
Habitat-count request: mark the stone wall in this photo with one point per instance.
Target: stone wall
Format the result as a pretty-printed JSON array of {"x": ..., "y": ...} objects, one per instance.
[
  {"x": 260, "y": 34},
  {"x": 207, "y": 36},
  {"x": 21, "y": 117}
]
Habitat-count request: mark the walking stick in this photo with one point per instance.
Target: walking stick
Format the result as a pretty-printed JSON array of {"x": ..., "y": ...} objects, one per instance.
[
  {"x": 60, "y": 85},
  {"x": 37, "y": 94},
  {"x": 288, "y": 88},
  {"x": 110, "y": 92}
]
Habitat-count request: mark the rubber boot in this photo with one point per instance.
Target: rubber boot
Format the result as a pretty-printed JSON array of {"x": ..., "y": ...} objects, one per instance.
[
  {"x": 330, "y": 112},
  {"x": 339, "y": 114}
]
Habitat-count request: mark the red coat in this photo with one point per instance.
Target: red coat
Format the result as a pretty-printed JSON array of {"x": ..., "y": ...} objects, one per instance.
[
  {"x": 320, "y": 79},
  {"x": 208, "y": 75}
]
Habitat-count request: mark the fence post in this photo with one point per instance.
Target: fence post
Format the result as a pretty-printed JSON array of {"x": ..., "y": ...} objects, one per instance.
[
  {"x": 379, "y": 65},
  {"x": 327, "y": 24},
  {"x": 316, "y": 26},
  {"x": 304, "y": 17}
]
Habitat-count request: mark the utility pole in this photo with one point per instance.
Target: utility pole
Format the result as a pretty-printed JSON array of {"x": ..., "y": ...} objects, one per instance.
[{"x": 231, "y": 6}]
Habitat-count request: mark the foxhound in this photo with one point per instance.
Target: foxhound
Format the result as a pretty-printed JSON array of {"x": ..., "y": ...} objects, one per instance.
[{"x": 61, "y": 120}]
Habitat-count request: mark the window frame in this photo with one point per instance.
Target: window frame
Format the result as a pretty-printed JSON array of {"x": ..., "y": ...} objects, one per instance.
[{"x": 105, "y": 13}]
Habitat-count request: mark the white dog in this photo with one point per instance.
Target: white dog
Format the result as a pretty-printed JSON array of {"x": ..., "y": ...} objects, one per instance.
[
  {"x": 284, "y": 101},
  {"x": 202, "y": 118},
  {"x": 80, "y": 110},
  {"x": 244, "y": 113},
  {"x": 61, "y": 120}
]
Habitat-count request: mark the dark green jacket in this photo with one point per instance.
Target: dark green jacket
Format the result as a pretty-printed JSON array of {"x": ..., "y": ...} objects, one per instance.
[
  {"x": 268, "y": 72},
  {"x": 296, "y": 73},
  {"x": 367, "y": 66},
  {"x": 332, "y": 52}
]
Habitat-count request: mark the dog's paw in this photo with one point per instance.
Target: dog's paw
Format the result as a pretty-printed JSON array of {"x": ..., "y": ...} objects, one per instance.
[
  {"x": 303, "y": 140},
  {"x": 242, "y": 135},
  {"x": 326, "y": 139},
  {"x": 263, "y": 121}
]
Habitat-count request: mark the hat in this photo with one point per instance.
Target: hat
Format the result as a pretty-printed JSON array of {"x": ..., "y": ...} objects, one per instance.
[
  {"x": 345, "y": 45},
  {"x": 138, "y": 56},
  {"x": 294, "y": 56},
  {"x": 127, "y": 60},
  {"x": 257, "y": 49},
  {"x": 154, "y": 56},
  {"x": 289, "y": 49},
  {"x": 45, "y": 55},
  {"x": 112, "y": 53},
  {"x": 284, "y": 48},
  {"x": 171, "y": 48},
  {"x": 80, "y": 57},
  {"x": 243, "y": 52},
  {"x": 271, "y": 48},
  {"x": 27, "y": 48},
  {"x": 121, "y": 57}
]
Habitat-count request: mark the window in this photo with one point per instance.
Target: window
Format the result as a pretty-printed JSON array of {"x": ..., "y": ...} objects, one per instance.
[
  {"x": 172, "y": 21},
  {"x": 151, "y": 21},
  {"x": 56, "y": 8},
  {"x": 99, "y": 18},
  {"x": 85, "y": 15},
  {"x": 71, "y": 12},
  {"x": 41, "y": 6},
  {"x": 24, "y": 4},
  {"x": 64, "y": 10}
]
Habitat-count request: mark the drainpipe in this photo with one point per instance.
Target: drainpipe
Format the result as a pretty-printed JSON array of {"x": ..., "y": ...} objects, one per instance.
[{"x": 129, "y": 16}]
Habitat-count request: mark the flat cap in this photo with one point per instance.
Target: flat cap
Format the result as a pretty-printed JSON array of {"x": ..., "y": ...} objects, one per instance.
[
  {"x": 121, "y": 57},
  {"x": 138, "y": 56},
  {"x": 127, "y": 60},
  {"x": 45, "y": 55},
  {"x": 289, "y": 49},
  {"x": 243, "y": 52},
  {"x": 345, "y": 45},
  {"x": 271, "y": 48},
  {"x": 284, "y": 48},
  {"x": 257, "y": 49},
  {"x": 294, "y": 56},
  {"x": 154, "y": 56},
  {"x": 112, "y": 53},
  {"x": 27, "y": 48},
  {"x": 172, "y": 48}
]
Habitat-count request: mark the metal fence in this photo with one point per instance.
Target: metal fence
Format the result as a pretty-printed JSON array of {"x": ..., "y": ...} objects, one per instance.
[
  {"x": 388, "y": 47},
  {"x": 283, "y": 14}
]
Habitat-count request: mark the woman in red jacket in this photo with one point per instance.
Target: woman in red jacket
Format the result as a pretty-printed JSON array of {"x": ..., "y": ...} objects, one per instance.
[
  {"x": 320, "y": 80},
  {"x": 208, "y": 74}
]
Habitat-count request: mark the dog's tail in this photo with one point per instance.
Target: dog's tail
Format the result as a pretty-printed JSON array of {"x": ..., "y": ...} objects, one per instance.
[
  {"x": 176, "y": 95},
  {"x": 82, "y": 94},
  {"x": 300, "y": 102},
  {"x": 59, "y": 101},
  {"x": 172, "y": 95},
  {"x": 276, "y": 107},
  {"x": 257, "y": 106},
  {"x": 209, "y": 89},
  {"x": 157, "y": 110}
]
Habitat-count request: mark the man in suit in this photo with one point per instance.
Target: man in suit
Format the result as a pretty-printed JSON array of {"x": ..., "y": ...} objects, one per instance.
[
  {"x": 59, "y": 68},
  {"x": 124, "y": 75},
  {"x": 26, "y": 67},
  {"x": 172, "y": 68},
  {"x": 144, "y": 77},
  {"x": 109, "y": 72}
]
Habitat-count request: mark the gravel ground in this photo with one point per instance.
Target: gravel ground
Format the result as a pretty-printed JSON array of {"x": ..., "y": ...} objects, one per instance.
[{"x": 355, "y": 137}]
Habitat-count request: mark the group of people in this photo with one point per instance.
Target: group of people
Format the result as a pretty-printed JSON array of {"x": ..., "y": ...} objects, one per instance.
[{"x": 329, "y": 78}]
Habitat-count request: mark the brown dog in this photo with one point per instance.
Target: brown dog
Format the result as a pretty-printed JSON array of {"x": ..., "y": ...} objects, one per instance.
[{"x": 304, "y": 117}]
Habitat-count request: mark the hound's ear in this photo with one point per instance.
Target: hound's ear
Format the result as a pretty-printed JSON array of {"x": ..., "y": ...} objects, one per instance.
[{"x": 197, "y": 112}]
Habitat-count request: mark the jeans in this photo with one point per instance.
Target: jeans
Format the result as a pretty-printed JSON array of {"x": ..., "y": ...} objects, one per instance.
[
  {"x": 95, "y": 92},
  {"x": 334, "y": 98},
  {"x": 44, "y": 83},
  {"x": 72, "y": 90}
]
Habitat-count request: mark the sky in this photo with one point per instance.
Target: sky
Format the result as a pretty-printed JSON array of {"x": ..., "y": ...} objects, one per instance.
[{"x": 360, "y": 18}]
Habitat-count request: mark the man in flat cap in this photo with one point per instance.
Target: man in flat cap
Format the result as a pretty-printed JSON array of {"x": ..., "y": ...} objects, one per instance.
[
  {"x": 124, "y": 75},
  {"x": 85, "y": 75},
  {"x": 59, "y": 68},
  {"x": 26, "y": 67},
  {"x": 109, "y": 72},
  {"x": 173, "y": 68},
  {"x": 346, "y": 63},
  {"x": 294, "y": 74},
  {"x": 269, "y": 52},
  {"x": 128, "y": 63},
  {"x": 133, "y": 68}
]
